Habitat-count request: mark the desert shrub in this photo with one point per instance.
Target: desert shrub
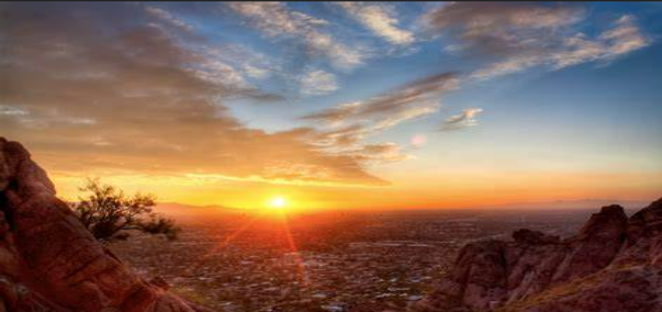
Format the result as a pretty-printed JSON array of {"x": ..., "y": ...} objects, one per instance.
[
  {"x": 106, "y": 211},
  {"x": 159, "y": 225}
]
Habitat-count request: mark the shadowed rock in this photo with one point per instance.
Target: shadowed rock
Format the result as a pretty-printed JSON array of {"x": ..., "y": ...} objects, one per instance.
[
  {"x": 646, "y": 222},
  {"x": 525, "y": 236},
  {"x": 613, "y": 264},
  {"x": 48, "y": 259}
]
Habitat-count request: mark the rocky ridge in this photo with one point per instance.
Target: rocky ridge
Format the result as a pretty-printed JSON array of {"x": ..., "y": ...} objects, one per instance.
[
  {"x": 613, "y": 264},
  {"x": 50, "y": 262}
]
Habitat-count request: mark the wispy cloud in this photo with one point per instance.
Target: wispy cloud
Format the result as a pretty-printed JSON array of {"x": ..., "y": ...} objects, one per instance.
[
  {"x": 245, "y": 63},
  {"x": 381, "y": 152},
  {"x": 136, "y": 99},
  {"x": 318, "y": 82},
  {"x": 276, "y": 20},
  {"x": 380, "y": 19},
  {"x": 12, "y": 111},
  {"x": 419, "y": 91},
  {"x": 345, "y": 126},
  {"x": 335, "y": 116},
  {"x": 500, "y": 28},
  {"x": 622, "y": 38},
  {"x": 465, "y": 119},
  {"x": 168, "y": 18},
  {"x": 355, "y": 130},
  {"x": 513, "y": 37},
  {"x": 410, "y": 101}
]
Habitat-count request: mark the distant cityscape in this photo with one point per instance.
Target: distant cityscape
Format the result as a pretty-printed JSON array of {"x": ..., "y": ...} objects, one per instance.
[{"x": 342, "y": 261}]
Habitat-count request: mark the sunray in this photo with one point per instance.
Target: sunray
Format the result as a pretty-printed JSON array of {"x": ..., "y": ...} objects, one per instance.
[
  {"x": 294, "y": 250},
  {"x": 229, "y": 238}
]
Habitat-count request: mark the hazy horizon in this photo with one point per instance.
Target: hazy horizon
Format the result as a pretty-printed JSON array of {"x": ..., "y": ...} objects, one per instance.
[{"x": 587, "y": 205}]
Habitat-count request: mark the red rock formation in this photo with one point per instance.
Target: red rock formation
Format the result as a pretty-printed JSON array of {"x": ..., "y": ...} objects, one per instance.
[
  {"x": 614, "y": 264},
  {"x": 50, "y": 262}
]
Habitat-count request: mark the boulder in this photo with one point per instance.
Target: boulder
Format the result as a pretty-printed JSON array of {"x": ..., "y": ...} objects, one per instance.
[{"x": 48, "y": 259}]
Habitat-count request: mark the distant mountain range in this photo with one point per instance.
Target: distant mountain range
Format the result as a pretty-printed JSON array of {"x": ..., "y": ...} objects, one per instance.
[
  {"x": 177, "y": 210},
  {"x": 573, "y": 204},
  {"x": 184, "y": 210}
]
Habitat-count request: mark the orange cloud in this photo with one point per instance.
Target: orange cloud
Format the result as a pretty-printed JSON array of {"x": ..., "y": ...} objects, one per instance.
[{"x": 108, "y": 90}]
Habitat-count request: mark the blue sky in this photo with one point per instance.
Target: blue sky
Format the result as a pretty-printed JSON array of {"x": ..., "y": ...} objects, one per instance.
[
  {"x": 597, "y": 106},
  {"x": 590, "y": 82},
  {"x": 344, "y": 94}
]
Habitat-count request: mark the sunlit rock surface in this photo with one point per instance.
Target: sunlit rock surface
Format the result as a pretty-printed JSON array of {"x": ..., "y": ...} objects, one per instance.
[{"x": 50, "y": 262}]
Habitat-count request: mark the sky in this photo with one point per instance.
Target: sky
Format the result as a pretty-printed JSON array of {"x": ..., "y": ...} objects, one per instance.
[{"x": 342, "y": 105}]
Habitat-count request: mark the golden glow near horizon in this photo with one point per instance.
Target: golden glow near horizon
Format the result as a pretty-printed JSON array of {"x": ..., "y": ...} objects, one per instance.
[{"x": 459, "y": 191}]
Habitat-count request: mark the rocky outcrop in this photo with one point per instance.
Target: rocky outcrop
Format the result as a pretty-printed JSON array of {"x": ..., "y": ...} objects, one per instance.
[
  {"x": 613, "y": 264},
  {"x": 50, "y": 262}
]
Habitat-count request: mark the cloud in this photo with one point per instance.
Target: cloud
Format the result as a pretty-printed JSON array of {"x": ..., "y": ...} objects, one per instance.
[
  {"x": 421, "y": 91},
  {"x": 100, "y": 84},
  {"x": 168, "y": 18},
  {"x": 318, "y": 82},
  {"x": 12, "y": 111},
  {"x": 380, "y": 20},
  {"x": 335, "y": 116},
  {"x": 342, "y": 128},
  {"x": 349, "y": 136},
  {"x": 463, "y": 120},
  {"x": 275, "y": 20},
  {"x": 404, "y": 114},
  {"x": 245, "y": 63},
  {"x": 216, "y": 71},
  {"x": 380, "y": 153},
  {"x": 513, "y": 37},
  {"x": 623, "y": 38},
  {"x": 349, "y": 123},
  {"x": 497, "y": 27}
]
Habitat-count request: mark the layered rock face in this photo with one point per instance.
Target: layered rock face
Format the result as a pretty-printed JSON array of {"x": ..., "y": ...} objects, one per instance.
[
  {"x": 613, "y": 264},
  {"x": 50, "y": 262}
]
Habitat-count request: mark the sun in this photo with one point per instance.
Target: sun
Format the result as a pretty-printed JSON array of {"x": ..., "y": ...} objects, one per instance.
[{"x": 277, "y": 202}]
